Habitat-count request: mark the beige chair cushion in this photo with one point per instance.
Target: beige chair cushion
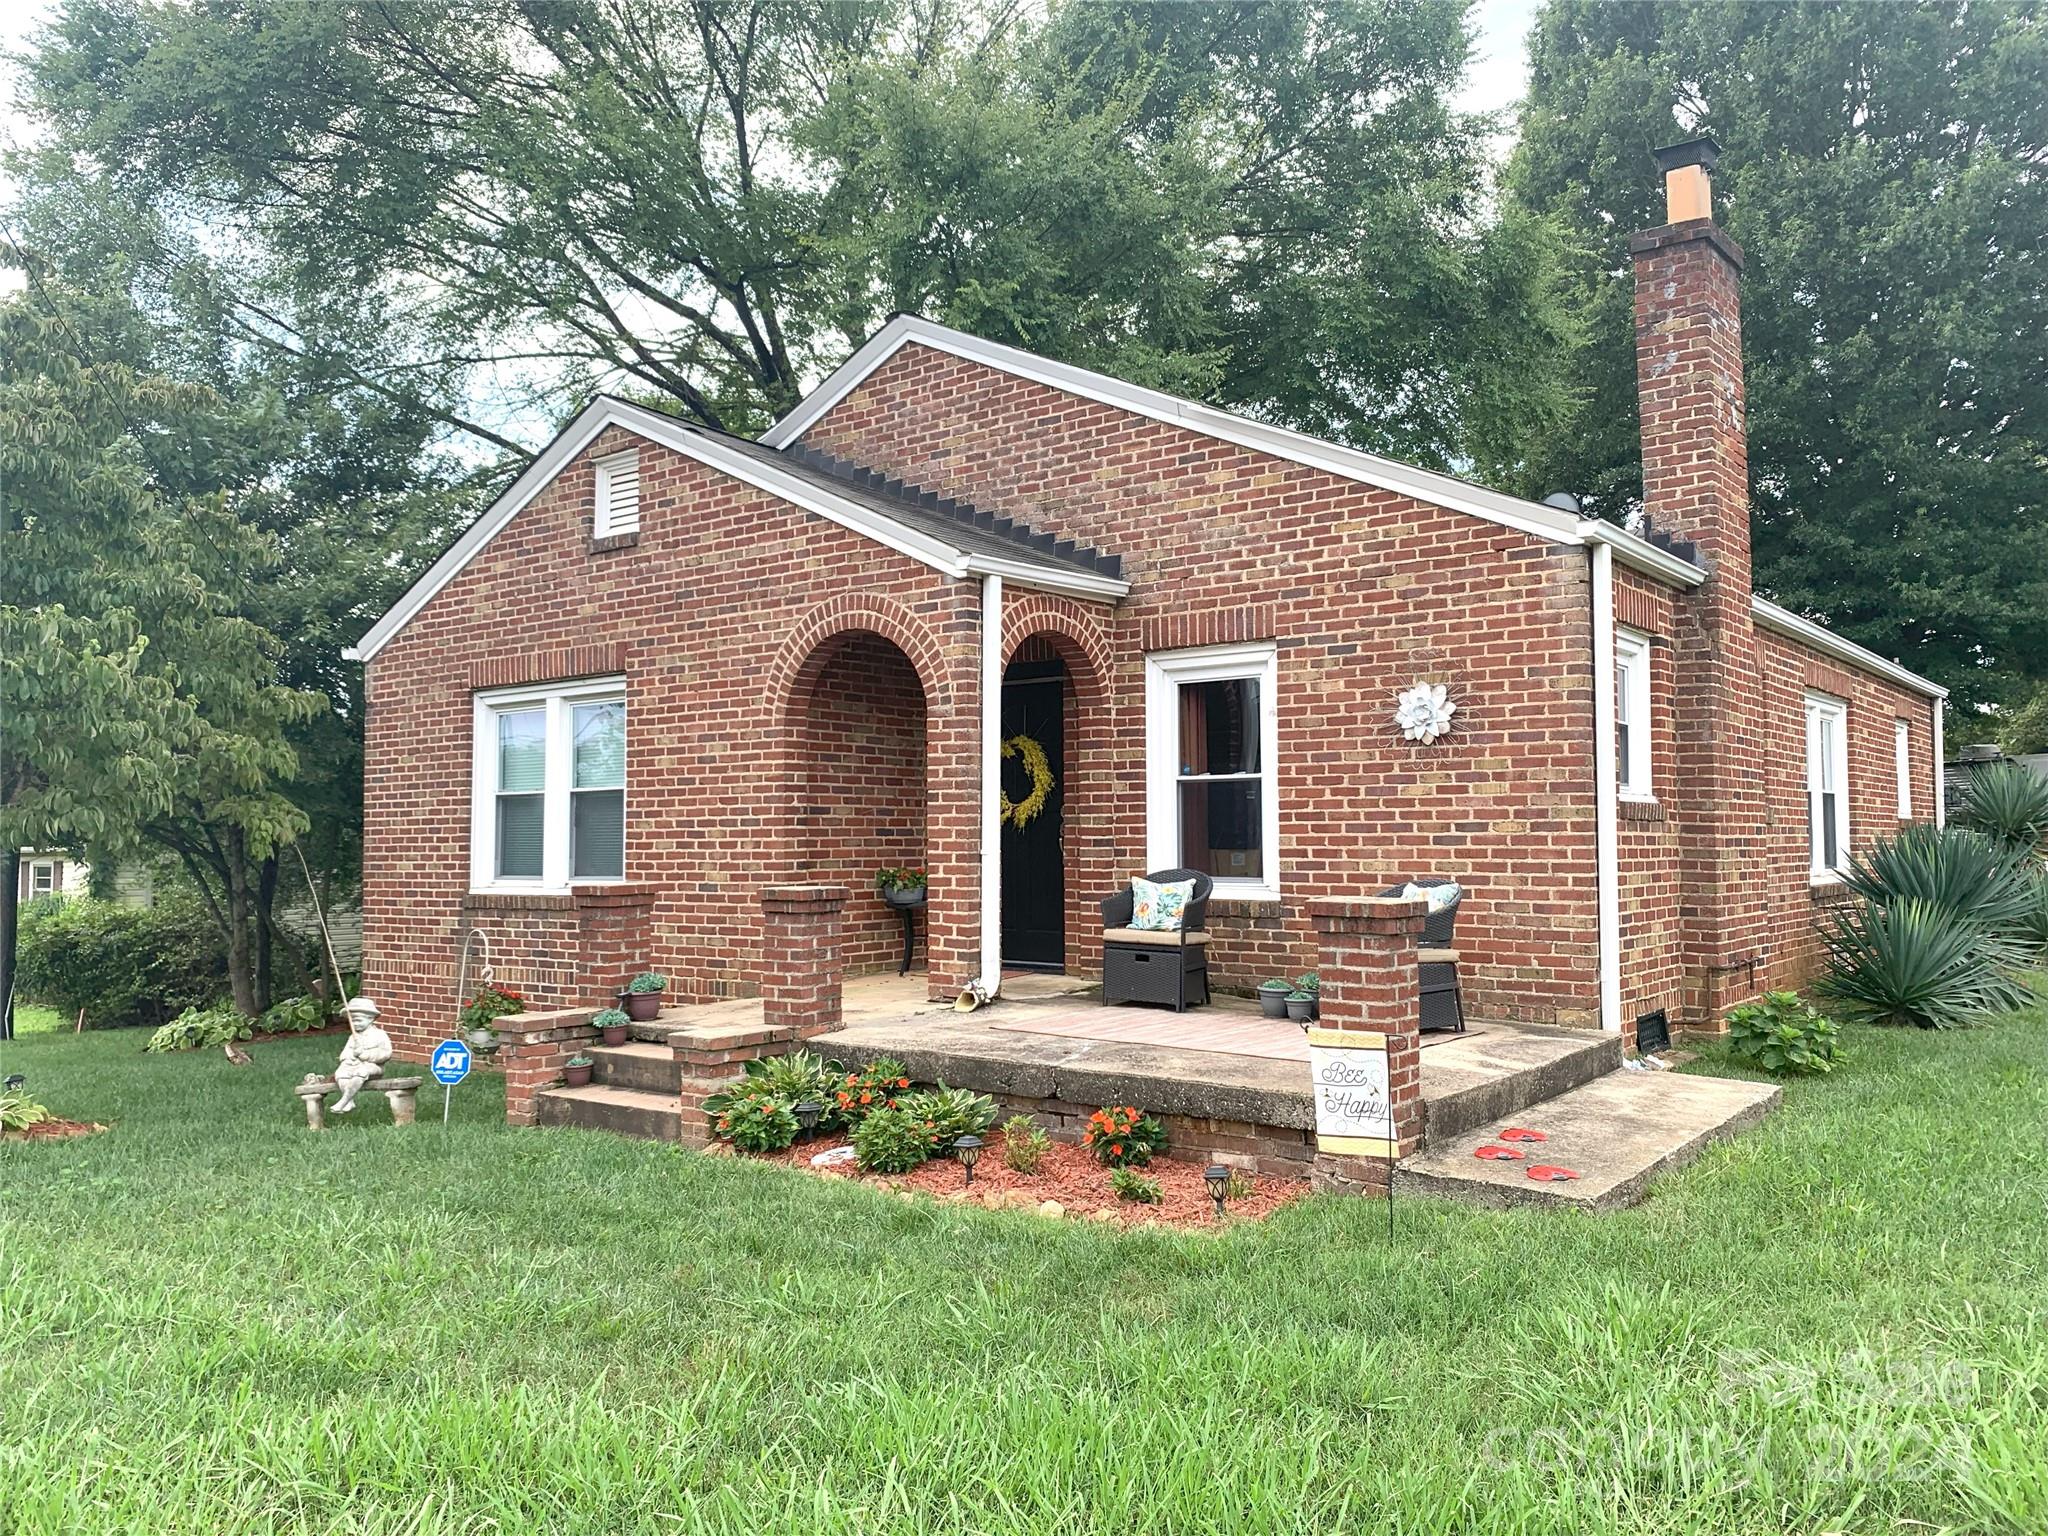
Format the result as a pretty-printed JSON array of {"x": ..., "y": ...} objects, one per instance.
[
  {"x": 1437, "y": 956},
  {"x": 1151, "y": 936}
]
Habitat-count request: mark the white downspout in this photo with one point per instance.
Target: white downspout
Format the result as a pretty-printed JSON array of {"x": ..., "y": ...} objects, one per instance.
[
  {"x": 1606, "y": 812},
  {"x": 1940, "y": 765},
  {"x": 991, "y": 977}
]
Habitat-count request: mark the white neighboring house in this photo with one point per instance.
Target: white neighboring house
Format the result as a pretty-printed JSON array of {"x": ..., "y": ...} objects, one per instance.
[{"x": 50, "y": 874}]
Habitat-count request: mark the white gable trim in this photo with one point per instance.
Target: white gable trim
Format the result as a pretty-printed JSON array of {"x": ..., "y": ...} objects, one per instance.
[
  {"x": 666, "y": 431},
  {"x": 1828, "y": 643},
  {"x": 1441, "y": 490}
]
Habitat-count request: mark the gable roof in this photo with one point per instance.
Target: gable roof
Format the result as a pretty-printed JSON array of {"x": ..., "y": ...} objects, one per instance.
[
  {"x": 1530, "y": 517},
  {"x": 951, "y": 539}
]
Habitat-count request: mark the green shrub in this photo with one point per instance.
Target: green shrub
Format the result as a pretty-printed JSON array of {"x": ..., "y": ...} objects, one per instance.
[
  {"x": 1783, "y": 1034},
  {"x": 197, "y": 1028},
  {"x": 1130, "y": 1184},
  {"x": 1024, "y": 1144},
  {"x": 788, "y": 1080},
  {"x": 18, "y": 1111},
  {"x": 1914, "y": 962},
  {"x": 123, "y": 965},
  {"x": 950, "y": 1113},
  {"x": 1121, "y": 1137},
  {"x": 2008, "y": 802},
  {"x": 1961, "y": 871},
  {"x": 758, "y": 1125},
  {"x": 891, "y": 1141},
  {"x": 294, "y": 1016}
]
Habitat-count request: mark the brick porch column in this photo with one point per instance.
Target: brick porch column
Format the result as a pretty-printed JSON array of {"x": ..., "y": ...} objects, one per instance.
[
  {"x": 532, "y": 1048},
  {"x": 801, "y": 958},
  {"x": 1366, "y": 948}
]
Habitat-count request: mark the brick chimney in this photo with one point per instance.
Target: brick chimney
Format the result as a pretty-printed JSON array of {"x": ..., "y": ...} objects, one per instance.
[{"x": 1688, "y": 314}]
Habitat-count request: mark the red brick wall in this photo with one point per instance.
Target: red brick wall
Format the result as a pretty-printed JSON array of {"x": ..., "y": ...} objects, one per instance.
[
  {"x": 864, "y": 795},
  {"x": 1647, "y": 841},
  {"x": 719, "y": 617},
  {"x": 1365, "y": 591}
]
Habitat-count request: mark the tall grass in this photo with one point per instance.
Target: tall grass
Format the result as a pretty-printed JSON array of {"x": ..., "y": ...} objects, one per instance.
[{"x": 212, "y": 1320}]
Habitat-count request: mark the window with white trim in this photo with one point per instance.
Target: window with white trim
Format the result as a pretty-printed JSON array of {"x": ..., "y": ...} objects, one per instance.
[
  {"x": 1212, "y": 733},
  {"x": 1632, "y": 715},
  {"x": 618, "y": 495},
  {"x": 549, "y": 795},
  {"x": 1902, "y": 759},
  {"x": 42, "y": 877},
  {"x": 1827, "y": 784}
]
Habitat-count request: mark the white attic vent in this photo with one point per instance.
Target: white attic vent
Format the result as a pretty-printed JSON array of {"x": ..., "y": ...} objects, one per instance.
[{"x": 618, "y": 496}]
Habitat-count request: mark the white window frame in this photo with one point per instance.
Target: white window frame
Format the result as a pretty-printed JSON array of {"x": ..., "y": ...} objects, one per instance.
[
  {"x": 1902, "y": 758},
  {"x": 1632, "y": 702},
  {"x": 1165, "y": 672},
  {"x": 1819, "y": 707},
  {"x": 44, "y": 867},
  {"x": 603, "y": 524},
  {"x": 558, "y": 699}
]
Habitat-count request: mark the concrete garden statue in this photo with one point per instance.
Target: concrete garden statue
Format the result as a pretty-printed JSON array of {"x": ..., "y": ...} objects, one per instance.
[{"x": 363, "y": 1058}]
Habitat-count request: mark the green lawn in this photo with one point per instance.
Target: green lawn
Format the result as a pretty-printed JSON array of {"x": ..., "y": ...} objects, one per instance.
[{"x": 213, "y": 1321}]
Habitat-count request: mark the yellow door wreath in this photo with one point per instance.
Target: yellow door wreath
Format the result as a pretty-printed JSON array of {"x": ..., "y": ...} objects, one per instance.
[{"x": 1023, "y": 811}]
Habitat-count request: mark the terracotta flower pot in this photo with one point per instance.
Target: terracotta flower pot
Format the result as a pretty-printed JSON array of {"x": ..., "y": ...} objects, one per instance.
[
  {"x": 641, "y": 1007},
  {"x": 576, "y": 1077},
  {"x": 615, "y": 1034}
]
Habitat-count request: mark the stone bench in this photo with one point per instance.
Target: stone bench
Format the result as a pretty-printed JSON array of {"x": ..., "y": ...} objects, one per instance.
[{"x": 399, "y": 1093}]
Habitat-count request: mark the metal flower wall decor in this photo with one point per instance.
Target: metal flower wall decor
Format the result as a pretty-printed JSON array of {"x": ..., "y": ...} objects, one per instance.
[{"x": 1424, "y": 712}]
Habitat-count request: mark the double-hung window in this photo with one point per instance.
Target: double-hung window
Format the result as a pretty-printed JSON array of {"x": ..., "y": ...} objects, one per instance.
[
  {"x": 1212, "y": 732},
  {"x": 1902, "y": 761},
  {"x": 42, "y": 877},
  {"x": 1632, "y": 715},
  {"x": 550, "y": 787},
  {"x": 1827, "y": 784}
]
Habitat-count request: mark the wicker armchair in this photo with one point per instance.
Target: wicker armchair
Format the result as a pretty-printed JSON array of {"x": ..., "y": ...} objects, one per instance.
[
  {"x": 1143, "y": 966},
  {"x": 1443, "y": 1003}
]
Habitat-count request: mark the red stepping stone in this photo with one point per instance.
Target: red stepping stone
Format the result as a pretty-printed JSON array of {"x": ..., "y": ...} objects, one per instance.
[
  {"x": 1499, "y": 1154},
  {"x": 1521, "y": 1133},
  {"x": 1550, "y": 1173}
]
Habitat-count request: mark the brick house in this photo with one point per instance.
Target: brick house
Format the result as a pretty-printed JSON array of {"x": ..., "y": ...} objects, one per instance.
[{"x": 670, "y": 668}]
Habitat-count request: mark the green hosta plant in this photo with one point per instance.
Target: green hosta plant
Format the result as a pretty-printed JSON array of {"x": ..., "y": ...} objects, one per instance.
[
  {"x": 1129, "y": 1184},
  {"x": 2008, "y": 802},
  {"x": 1024, "y": 1144},
  {"x": 18, "y": 1111},
  {"x": 891, "y": 1141},
  {"x": 950, "y": 1113},
  {"x": 758, "y": 1125},
  {"x": 791, "y": 1080},
  {"x": 294, "y": 1016},
  {"x": 1783, "y": 1034},
  {"x": 1914, "y": 962},
  {"x": 198, "y": 1028},
  {"x": 1961, "y": 871}
]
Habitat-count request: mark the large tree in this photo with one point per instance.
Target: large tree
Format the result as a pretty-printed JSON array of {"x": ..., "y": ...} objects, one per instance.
[
  {"x": 1885, "y": 168},
  {"x": 493, "y": 205}
]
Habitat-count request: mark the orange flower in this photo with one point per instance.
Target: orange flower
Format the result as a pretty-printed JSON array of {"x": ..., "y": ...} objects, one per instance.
[
  {"x": 1116, "y": 1149},
  {"x": 866, "y": 1098}
]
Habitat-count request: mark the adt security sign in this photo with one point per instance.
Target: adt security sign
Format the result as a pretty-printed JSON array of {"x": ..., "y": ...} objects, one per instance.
[
  {"x": 450, "y": 1065},
  {"x": 451, "y": 1062}
]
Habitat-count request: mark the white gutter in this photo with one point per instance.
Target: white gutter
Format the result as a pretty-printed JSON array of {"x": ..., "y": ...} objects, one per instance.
[
  {"x": 991, "y": 784},
  {"x": 1606, "y": 811},
  {"x": 1786, "y": 622},
  {"x": 1640, "y": 554}
]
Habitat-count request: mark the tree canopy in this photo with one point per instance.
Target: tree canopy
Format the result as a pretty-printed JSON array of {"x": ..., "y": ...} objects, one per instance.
[{"x": 1885, "y": 169}]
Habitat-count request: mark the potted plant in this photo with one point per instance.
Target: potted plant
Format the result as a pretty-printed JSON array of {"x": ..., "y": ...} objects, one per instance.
[
  {"x": 612, "y": 1024},
  {"x": 576, "y": 1071},
  {"x": 1273, "y": 998},
  {"x": 1312, "y": 984},
  {"x": 642, "y": 997},
  {"x": 488, "y": 1004},
  {"x": 1301, "y": 1007},
  {"x": 901, "y": 887}
]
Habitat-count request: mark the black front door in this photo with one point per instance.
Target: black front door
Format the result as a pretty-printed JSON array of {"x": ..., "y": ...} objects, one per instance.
[{"x": 1034, "y": 878}]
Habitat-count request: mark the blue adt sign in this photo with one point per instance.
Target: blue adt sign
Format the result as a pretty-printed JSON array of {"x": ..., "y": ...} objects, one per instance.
[{"x": 451, "y": 1062}]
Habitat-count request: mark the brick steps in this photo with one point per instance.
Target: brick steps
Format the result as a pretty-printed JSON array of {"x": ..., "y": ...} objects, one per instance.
[
  {"x": 649, "y": 1068},
  {"x": 601, "y": 1107},
  {"x": 1495, "y": 1073}
]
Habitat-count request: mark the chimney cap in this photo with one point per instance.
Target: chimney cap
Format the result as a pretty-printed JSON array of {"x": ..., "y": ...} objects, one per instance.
[{"x": 1702, "y": 152}]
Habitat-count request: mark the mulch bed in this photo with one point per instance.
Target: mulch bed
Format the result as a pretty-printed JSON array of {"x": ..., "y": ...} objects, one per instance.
[
  {"x": 53, "y": 1130},
  {"x": 260, "y": 1038},
  {"x": 1067, "y": 1175}
]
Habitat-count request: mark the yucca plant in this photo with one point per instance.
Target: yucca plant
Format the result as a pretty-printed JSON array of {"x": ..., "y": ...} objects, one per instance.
[
  {"x": 1914, "y": 962},
  {"x": 1963, "y": 872},
  {"x": 2008, "y": 802},
  {"x": 2033, "y": 924}
]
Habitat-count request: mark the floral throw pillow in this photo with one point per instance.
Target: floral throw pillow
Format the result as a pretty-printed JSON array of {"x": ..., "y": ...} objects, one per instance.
[{"x": 1159, "y": 907}]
